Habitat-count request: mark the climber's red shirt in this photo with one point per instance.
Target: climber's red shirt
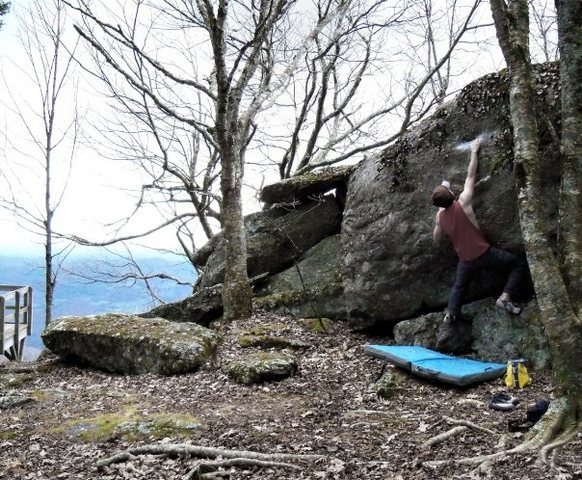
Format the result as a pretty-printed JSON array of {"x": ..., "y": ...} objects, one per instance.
[{"x": 468, "y": 240}]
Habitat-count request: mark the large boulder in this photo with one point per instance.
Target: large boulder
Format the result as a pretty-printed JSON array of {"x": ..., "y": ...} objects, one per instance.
[
  {"x": 130, "y": 344},
  {"x": 497, "y": 336},
  {"x": 312, "y": 288},
  {"x": 278, "y": 236},
  {"x": 391, "y": 269}
]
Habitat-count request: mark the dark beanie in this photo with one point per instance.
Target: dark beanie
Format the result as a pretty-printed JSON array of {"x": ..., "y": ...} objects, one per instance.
[{"x": 442, "y": 197}]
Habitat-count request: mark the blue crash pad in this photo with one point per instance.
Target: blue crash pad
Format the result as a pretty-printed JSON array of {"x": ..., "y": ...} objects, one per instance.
[{"x": 437, "y": 366}]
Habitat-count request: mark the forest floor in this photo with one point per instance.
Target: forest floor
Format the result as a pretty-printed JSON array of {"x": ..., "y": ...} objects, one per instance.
[{"x": 329, "y": 408}]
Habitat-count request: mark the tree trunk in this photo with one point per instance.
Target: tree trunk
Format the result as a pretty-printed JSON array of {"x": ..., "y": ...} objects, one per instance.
[
  {"x": 559, "y": 318},
  {"x": 236, "y": 290},
  {"x": 570, "y": 241}
]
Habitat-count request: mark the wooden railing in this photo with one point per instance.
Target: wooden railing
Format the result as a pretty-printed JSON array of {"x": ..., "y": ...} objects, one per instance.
[{"x": 15, "y": 319}]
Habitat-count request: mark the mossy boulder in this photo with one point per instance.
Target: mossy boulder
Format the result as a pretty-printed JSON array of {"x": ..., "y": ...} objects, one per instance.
[
  {"x": 263, "y": 367},
  {"x": 390, "y": 382},
  {"x": 391, "y": 270},
  {"x": 300, "y": 187},
  {"x": 131, "y": 344}
]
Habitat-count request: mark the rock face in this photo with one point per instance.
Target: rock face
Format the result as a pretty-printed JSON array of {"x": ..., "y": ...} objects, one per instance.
[
  {"x": 391, "y": 269},
  {"x": 318, "y": 270},
  {"x": 277, "y": 236},
  {"x": 130, "y": 344}
]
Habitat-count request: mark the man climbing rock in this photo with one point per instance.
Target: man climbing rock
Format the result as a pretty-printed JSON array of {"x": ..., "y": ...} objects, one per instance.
[{"x": 457, "y": 220}]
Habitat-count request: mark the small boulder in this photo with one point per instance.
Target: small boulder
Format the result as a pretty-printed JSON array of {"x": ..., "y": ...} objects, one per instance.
[
  {"x": 390, "y": 383},
  {"x": 263, "y": 367},
  {"x": 303, "y": 186},
  {"x": 130, "y": 344}
]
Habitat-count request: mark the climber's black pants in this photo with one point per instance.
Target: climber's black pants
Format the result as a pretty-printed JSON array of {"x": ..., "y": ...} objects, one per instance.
[{"x": 495, "y": 259}]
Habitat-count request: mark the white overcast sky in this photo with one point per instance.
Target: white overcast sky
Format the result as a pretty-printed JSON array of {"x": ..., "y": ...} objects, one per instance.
[{"x": 97, "y": 190}]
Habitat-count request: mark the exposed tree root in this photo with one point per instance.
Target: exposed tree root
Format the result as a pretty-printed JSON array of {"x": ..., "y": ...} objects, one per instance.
[
  {"x": 557, "y": 427},
  {"x": 207, "y": 468},
  {"x": 461, "y": 426},
  {"x": 214, "y": 458}
]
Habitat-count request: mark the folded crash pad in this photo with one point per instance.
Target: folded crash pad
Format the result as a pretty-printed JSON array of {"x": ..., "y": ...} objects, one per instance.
[{"x": 438, "y": 366}]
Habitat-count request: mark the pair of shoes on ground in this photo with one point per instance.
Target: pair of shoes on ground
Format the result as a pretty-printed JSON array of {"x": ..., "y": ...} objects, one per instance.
[
  {"x": 508, "y": 306},
  {"x": 503, "y": 402}
]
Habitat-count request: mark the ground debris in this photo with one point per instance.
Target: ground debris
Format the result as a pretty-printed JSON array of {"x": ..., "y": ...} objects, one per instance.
[{"x": 329, "y": 409}]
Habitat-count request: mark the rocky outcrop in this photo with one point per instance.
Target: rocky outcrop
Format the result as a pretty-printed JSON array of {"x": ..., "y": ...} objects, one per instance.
[
  {"x": 278, "y": 236},
  {"x": 302, "y": 187},
  {"x": 391, "y": 269},
  {"x": 381, "y": 266},
  {"x": 202, "y": 307},
  {"x": 130, "y": 344},
  {"x": 497, "y": 336}
]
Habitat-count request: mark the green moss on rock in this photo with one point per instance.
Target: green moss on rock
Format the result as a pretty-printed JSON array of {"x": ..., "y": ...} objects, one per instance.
[
  {"x": 130, "y": 344},
  {"x": 128, "y": 425}
]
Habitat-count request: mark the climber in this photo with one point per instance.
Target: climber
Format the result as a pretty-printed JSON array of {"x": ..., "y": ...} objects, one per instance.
[{"x": 457, "y": 220}]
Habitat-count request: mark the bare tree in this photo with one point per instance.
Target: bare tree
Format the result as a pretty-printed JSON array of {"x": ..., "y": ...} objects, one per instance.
[
  {"x": 236, "y": 42},
  {"x": 49, "y": 66},
  {"x": 543, "y": 31},
  {"x": 346, "y": 102}
]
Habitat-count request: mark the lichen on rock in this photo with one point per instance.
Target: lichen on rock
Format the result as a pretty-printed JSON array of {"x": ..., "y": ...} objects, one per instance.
[{"x": 130, "y": 344}]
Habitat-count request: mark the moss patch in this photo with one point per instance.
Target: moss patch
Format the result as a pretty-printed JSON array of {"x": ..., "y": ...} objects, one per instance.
[
  {"x": 318, "y": 325},
  {"x": 129, "y": 426},
  {"x": 265, "y": 329}
]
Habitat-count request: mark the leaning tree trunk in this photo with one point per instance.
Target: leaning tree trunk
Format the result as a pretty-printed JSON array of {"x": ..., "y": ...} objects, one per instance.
[{"x": 560, "y": 321}]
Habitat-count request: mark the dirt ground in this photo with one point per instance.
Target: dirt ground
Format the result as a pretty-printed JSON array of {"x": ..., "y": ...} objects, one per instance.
[{"x": 329, "y": 408}]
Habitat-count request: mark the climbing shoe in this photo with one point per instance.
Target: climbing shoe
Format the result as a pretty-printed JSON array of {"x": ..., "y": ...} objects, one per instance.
[
  {"x": 508, "y": 306},
  {"x": 503, "y": 402}
]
